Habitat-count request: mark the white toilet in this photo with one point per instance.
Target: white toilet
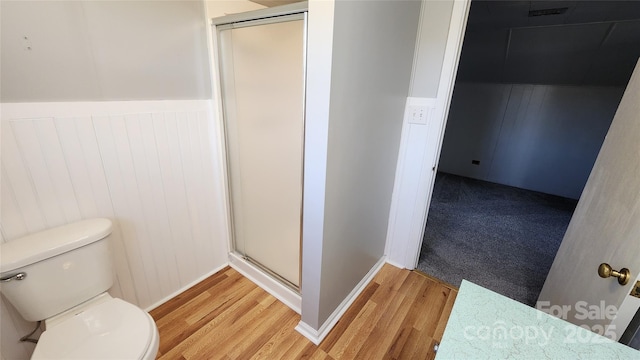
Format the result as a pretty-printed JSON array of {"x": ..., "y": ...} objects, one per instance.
[{"x": 62, "y": 276}]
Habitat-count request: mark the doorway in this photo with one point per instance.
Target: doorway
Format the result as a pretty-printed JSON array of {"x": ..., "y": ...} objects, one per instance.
[
  {"x": 536, "y": 90},
  {"x": 262, "y": 71}
]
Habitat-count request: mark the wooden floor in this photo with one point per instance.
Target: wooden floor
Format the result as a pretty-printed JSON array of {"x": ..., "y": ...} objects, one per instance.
[{"x": 399, "y": 315}]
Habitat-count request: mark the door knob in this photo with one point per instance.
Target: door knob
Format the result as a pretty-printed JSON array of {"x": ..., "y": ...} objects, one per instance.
[{"x": 605, "y": 270}]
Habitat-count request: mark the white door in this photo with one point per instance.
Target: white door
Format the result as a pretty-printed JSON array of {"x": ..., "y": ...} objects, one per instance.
[{"x": 605, "y": 228}]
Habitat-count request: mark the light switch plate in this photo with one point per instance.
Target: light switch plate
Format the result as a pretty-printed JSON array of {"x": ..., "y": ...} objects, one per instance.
[
  {"x": 418, "y": 114},
  {"x": 419, "y": 110}
]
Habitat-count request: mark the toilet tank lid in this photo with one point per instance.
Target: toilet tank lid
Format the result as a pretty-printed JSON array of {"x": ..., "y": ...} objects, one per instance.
[{"x": 49, "y": 243}]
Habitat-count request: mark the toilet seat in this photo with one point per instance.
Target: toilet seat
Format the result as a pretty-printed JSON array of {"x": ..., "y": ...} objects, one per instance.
[{"x": 111, "y": 329}]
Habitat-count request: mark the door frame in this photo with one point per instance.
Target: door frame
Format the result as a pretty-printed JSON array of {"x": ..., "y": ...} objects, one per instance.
[
  {"x": 404, "y": 251},
  {"x": 628, "y": 309},
  {"x": 404, "y": 240}
]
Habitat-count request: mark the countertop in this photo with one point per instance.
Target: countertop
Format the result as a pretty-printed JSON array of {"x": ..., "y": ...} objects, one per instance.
[{"x": 487, "y": 325}]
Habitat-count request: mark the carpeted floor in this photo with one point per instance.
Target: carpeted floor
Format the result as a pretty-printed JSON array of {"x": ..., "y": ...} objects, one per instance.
[{"x": 500, "y": 237}]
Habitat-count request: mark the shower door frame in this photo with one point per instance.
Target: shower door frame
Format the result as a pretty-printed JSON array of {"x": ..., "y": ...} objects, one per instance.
[{"x": 273, "y": 283}]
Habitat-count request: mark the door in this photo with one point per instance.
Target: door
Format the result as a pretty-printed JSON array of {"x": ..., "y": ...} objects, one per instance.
[
  {"x": 262, "y": 69},
  {"x": 605, "y": 228}
]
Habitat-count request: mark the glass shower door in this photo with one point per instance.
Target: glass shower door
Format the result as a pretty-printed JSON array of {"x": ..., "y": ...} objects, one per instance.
[{"x": 262, "y": 70}]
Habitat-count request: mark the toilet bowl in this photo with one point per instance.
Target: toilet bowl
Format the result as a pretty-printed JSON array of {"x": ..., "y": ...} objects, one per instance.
[
  {"x": 62, "y": 276},
  {"x": 105, "y": 328}
]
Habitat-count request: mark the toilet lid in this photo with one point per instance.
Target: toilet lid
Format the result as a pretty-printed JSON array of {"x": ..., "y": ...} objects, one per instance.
[{"x": 113, "y": 329}]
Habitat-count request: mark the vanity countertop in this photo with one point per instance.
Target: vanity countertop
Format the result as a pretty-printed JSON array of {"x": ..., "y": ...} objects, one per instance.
[{"x": 487, "y": 325}]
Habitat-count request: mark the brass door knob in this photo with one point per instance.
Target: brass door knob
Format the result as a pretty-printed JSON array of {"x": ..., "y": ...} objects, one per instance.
[{"x": 605, "y": 270}]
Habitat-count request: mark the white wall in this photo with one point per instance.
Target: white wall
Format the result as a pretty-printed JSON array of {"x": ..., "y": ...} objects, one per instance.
[
  {"x": 440, "y": 35},
  {"x": 103, "y": 50},
  {"x": 372, "y": 53},
  {"x": 151, "y": 166},
  {"x": 537, "y": 137},
  {"x": 148, "y": 166}
]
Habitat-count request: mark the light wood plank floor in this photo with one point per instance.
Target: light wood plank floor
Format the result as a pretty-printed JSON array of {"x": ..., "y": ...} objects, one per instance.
[{"x": 399, "y": 315}]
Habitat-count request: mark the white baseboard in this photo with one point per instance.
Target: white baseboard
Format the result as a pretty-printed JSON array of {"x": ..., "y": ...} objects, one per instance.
[
  {"x": 310, "y": 333},
  {"x": 266, "y": 282},
  {"x": 316, "y": 336},
  {"x": 184, "y": 288}
]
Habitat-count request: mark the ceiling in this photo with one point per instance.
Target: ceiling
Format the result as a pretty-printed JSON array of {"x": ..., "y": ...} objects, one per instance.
[
  {"x": 588, "y": 43},
  {"x": 272, "y": 3}
]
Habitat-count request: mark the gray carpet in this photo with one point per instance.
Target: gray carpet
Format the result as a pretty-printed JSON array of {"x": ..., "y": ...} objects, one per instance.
[{"x": 500, "y": 237}]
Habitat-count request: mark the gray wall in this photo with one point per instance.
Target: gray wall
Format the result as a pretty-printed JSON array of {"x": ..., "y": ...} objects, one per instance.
[
  {"x": 373, "y": 49},
  {"x": 103, "y": 50},
  {"x": 538, "y": 137},
  {"x": 430, "y": 48}
]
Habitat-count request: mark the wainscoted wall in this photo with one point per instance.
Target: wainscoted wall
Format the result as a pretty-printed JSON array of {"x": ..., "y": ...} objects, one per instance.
[
  {"x": 418, "y": 147},
  {"x": 151, "y": 166},
  {"x": 537, "y": 137}
]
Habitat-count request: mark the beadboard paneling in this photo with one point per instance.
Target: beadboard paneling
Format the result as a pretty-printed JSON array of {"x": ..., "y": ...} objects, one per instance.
[
  {"x": 538, "y": 137},
  {"x": 407, "y": 216},
  {"x": 149, "y": 166}
]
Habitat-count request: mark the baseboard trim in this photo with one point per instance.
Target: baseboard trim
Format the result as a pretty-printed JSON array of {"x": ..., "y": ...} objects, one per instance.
[
  {"x": 184, "y": 288},
  {"x": 266, "y": 282},
  {"x": 310, "y": 333},
  {"x": 316, "y": 336}
]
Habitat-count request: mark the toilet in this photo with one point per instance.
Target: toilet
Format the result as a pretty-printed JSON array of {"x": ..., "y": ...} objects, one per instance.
[{"x": 61, "y": 276}]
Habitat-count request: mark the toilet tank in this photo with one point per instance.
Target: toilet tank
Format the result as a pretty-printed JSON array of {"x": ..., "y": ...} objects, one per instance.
[{"x": 63, "y": 267}]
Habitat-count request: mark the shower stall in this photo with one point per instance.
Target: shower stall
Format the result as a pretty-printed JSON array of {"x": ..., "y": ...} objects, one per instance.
[{"x": 261, "y": 63}]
